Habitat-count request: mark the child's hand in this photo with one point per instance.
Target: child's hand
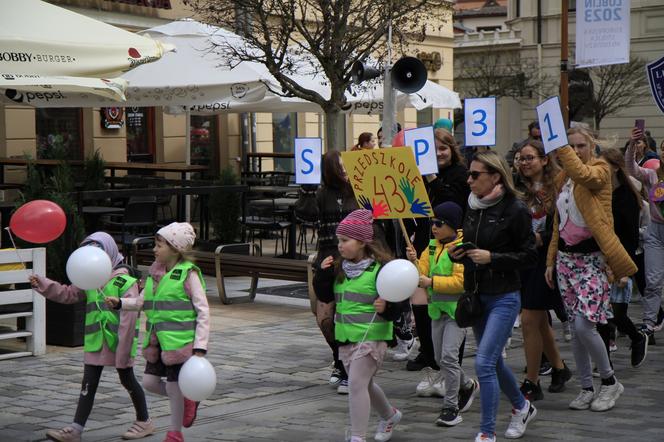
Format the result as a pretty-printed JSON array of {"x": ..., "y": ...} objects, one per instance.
[
  {"x": 34, "y": 280},
  {"x": 199, "y": 353},
  {"x": 456, "y": 252},
  {"x": 112, "y": 302},
  {"x": 425, "y": 282},
  {"x": 327, "y": 263},
  {"x": 380, "y": 304},
  {"x": 622, "y": 282},
  {"x": 411, "y": 254}
]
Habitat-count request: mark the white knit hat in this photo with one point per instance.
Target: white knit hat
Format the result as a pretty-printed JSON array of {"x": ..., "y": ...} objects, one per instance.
[{"x": 179, "y": 235}]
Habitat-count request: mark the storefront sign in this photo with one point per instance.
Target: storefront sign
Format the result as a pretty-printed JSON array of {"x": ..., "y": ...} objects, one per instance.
[
  {"x": 112, "y": 117},
  {"x": 387, "y": 182},
  {"x": 160, "y": 4},
  {"x": 602, "y": 32}
]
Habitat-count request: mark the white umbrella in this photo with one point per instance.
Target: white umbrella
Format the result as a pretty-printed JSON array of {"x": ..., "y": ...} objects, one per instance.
[{"x": 45, "y": 48}]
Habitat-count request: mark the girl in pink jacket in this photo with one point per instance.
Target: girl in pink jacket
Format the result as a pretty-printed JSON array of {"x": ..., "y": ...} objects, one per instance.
[{"x": 110, "y": 340}]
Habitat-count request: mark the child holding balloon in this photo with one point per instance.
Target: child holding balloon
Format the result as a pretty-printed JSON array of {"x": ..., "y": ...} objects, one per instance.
[
  {"x": 443, "y": 280},
  {"x": 363, "y": 320},
  {"x": 110, "y": 337},
  {"x": 178, "y": 321}
]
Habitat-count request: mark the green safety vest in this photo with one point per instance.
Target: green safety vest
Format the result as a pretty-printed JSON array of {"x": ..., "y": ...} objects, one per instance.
[
  {"x": 440, "y": 303},
  {"x": 355, "y": 310},
  {"x": 169, "y": 311},
  {"x": 101, "y": 323}
]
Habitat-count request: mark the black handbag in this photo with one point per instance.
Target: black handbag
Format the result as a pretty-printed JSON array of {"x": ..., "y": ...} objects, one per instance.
[{"x": 469, "y": 309}]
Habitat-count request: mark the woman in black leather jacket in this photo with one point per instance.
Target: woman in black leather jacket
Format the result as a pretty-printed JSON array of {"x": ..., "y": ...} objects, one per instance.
[{"x": 498, "y": 227}]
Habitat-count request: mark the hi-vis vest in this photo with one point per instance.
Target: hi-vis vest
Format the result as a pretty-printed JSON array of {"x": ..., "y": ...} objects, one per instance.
[
  {"x": 355, "y": 298},
  {"x": 440, "y": 302},
  {"x": 168, "y": 309},
  {"x": 101, "y": 323}
]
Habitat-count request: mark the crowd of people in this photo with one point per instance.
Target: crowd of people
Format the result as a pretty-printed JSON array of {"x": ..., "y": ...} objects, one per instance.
[{"x": 575, "y": 231}]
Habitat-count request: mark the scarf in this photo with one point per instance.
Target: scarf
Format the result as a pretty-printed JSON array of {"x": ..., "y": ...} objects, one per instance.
[
  {"x": 107, "y": 244},
  {"x": 490, "y": 200},
  {"x": 355, "y": 269}
]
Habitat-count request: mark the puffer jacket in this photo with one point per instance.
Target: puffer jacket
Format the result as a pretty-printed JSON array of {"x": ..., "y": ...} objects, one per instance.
[{"x": 505, "y": 230}]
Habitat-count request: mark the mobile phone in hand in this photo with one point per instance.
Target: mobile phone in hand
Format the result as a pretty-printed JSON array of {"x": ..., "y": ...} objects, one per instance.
[
  {"x": 465, "y": 246},
  {"x": 640, "y": 124}
]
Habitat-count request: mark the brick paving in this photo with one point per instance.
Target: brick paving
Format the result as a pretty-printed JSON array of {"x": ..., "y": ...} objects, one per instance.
[{"x": 273, "y": 365}]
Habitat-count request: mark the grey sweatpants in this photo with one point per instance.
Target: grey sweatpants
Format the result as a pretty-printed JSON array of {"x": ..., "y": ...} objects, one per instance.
[
  {"x": 447, "y": 338},
  {"x": 654, "y": 263},
  {"x": 587, "y": 344}
]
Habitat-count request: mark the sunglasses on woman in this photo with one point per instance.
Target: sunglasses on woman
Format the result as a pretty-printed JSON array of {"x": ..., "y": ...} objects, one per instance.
[{"x": 475, "y": 174}]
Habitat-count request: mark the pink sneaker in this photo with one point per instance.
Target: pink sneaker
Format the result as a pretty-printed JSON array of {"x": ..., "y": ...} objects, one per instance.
[
  {"x": 190, "y": 409},
  {"x": 174, "y": 436}
]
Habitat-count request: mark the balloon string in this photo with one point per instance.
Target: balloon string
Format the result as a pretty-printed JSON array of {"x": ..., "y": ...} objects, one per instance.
[
  {"x": 359, "y": 344},
  {"x": 11, "y": 238}
]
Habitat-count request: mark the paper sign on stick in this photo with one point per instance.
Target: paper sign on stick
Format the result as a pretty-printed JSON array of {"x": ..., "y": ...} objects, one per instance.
[
  {"x": 387, "y": 182},
  {"x": 308, "y": 155},
  {"x": 424, "y": 147},
  {"x": 552, "y": 125},
  {"x": 480, "y": 121}
]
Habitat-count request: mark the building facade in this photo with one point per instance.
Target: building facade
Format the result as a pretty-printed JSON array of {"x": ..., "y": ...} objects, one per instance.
[{"x": 150, "y": 134}]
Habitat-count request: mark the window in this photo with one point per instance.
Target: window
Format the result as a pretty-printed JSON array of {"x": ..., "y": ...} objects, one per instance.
[
  {"x": 425, "y": 117},
  {"x": 488, "y": 28},
  {"x": 204, "y": 138},
  {"x": 284, "y": 131},
  {"x": 140, "y": 134},
  {"x": 59, "y": 133}
]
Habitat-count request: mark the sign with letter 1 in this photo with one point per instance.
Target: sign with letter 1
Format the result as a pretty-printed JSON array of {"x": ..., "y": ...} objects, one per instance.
[
  {"x": 424, "y": 147},
  {"x": 480, "y": 121},
  {"x": 308, "y": 157},
  {"x": 552, "y": 125},
  {"x": 602, "y": 32},
  {"x": 387, "y": 182}
]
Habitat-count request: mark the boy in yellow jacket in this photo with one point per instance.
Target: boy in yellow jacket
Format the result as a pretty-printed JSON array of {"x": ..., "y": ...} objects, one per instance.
[{"x": 443, "y": 279}]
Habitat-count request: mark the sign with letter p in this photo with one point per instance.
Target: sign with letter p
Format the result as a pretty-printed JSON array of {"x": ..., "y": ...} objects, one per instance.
[{"x": 423, "y": 142}]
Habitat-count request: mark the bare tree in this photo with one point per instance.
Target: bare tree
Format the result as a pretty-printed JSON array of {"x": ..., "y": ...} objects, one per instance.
[
  {"x": 500, "y": 74},
  {"x": 331, "y": 34},
  {"x": 616, "y": 87}
]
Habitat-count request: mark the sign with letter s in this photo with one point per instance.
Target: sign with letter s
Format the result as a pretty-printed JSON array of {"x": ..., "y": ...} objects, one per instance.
[
  {"x": 424, "y": 147},
  {"x": 308, "y": 157},
  {"x": 480, "y": 121}
]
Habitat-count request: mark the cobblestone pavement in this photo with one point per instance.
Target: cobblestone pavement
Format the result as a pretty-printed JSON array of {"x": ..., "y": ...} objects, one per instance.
[{"x": 273, "y": 365}]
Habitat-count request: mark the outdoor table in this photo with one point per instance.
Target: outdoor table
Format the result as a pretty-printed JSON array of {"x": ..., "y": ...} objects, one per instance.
[
  {"x": 276, "y": 191},
  {"x": 92, "y": 214},
  {"x": 289, "y": 205},
  {"x": 262, "y": 155}
]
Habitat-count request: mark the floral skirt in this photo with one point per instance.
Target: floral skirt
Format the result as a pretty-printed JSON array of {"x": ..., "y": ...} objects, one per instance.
[{"x": 584, "y": 285}]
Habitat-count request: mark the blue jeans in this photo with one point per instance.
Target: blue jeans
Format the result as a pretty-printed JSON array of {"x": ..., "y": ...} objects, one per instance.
[{"x": 491, "y": 333}]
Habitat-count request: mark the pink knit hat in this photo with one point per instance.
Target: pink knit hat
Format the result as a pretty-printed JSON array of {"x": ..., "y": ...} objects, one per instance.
[
  {"x": 180, "y": 236},
  {"x": 357, "y": 225}
]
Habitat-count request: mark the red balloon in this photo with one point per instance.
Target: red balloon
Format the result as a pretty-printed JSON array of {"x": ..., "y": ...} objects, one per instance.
[
  {"x": 652, "y": 163},
  {"x": 38, "y": 221},
  {"x": 398, "y": 139}
]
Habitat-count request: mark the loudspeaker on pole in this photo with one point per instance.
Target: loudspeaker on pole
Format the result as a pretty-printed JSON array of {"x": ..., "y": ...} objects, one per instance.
[
  {"x": 408, "y": 75},
  {"x": 362, "y": 72}
]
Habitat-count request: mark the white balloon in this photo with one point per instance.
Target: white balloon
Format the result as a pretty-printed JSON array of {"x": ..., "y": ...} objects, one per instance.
[
  {"x": 197, "y": 379},
  {"x": 89, "y": 267},
  {"x": 397, "y": 280}
]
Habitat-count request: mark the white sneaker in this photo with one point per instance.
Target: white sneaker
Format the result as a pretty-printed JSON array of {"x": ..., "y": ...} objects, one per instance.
[
  {"x": 386, "y": 427},
  {"x": 519, "y": 421},
  {"x": 583, "y": 400},
  {"x": 432, "y": 384},
  {"x": 606, "y": 399},
  {"x": 342, "y": 388},
  {"x": 481, "y": 437},
  {"x": 335, "y": 377},
  {"x": 403, "y": 349},
  {"x": 517, "y": 322}
]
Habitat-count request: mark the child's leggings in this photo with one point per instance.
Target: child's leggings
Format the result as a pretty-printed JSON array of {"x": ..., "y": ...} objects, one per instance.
[
  {"x": 364, "y": 394},
  {"x": 157, "y": 385},
  {"x": 86, "y": 399}
]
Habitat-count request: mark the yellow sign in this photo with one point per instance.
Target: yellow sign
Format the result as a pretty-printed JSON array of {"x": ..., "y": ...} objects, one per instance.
[{"x": 387, "y": 182}]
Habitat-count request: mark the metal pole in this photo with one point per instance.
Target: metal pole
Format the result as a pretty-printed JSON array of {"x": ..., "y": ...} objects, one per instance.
[
  {"x": 187, "y": 159},
  {"x": 564, "y": 50},
  {"x": 389, "y": 96}
]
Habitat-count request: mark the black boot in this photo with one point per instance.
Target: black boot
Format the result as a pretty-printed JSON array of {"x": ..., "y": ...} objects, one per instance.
[
  {"x": 558, "y": 379},
  {"x": 423, "y": 325}
]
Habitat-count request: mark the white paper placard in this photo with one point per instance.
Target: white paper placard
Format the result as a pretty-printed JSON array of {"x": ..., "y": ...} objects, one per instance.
[
  {"x": 308, "y": 156},
  {"x": 602, "y": 32},
  {"x": 552, "y": 125},
  {"x": 424, "y": 147},
  {"x": 480, "y": 121}
]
